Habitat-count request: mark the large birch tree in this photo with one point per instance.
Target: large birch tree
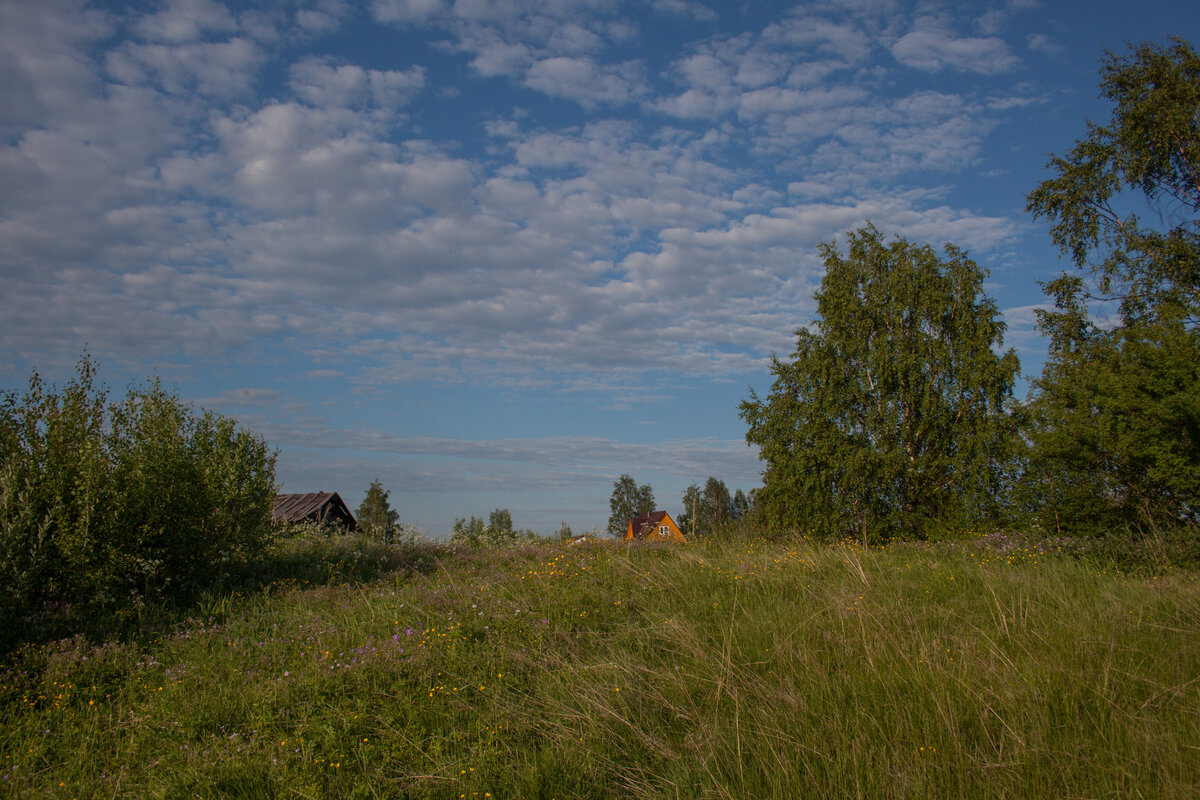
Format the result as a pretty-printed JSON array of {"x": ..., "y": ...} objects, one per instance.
[{"x": 893, "y": 410}]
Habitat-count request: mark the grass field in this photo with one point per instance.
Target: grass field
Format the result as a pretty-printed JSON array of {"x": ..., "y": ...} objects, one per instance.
[{"x": 743, "y": 670}]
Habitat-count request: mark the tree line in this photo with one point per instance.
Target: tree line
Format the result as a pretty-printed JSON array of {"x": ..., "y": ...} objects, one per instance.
[
  {"x": 706, "y": 511},
  {"x": 895, "y": 415}
]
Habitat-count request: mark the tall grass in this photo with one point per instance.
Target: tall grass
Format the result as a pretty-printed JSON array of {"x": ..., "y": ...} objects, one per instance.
[{"x": 555, "y": 671}]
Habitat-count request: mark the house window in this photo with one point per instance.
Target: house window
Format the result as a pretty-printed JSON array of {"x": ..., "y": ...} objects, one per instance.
[{"x": 663, "y": 530}]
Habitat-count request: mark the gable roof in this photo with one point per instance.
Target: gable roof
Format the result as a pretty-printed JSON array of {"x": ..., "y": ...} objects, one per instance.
[
  {"x": 319, "y": 507},
  {"x": 646, "y": 525}
]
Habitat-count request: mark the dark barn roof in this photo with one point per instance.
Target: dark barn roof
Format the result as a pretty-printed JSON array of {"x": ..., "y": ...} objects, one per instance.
[{"x": 324, "y": 508}]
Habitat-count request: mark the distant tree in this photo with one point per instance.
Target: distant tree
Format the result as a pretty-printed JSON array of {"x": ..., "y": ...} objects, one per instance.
[
  {"x": 741, "y": 506},
  {"x": 375, "y": 516},
  {"x": 691, "y": 510},
  {"x": 718, "y": 507},
  {"x": 1115, "y": 416},
  {"x": 711, "y": 507},
  {"x": 500, "y": 527},
  {"x": 893, "y": 410},
  {"x": 469, "y": 532},
  {"x": 496, "y": 532},
  {"x": 628, "y": 500}
]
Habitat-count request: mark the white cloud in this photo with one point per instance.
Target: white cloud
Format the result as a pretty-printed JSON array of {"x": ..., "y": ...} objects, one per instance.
[
  {"x": 185, "y": 21},
  {"x": 405, "y": 10},
  {"x": 496, "y": 58},
  {"x": 219, "y": 69},
  {"x": 584, "y": 81},
  {"x": 847, "y": 41},
  {"x": 684, "y": 8},
  {"x": 1040, "y": 43},
  {"x": 324, "y": 19},
  {"x": 323, "y": 83},
  {"x": 550, "y": 47},
  {"x": 930, "y": 48},
  {"x": 617, "y": 244}
]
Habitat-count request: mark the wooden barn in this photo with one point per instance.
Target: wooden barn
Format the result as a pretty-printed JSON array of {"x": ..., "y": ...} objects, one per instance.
[
  {"x": 657, "y": 526},
  {"x": 323, "y": 508}
]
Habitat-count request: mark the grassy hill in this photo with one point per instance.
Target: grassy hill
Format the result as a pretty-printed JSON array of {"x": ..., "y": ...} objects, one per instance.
[{"x": 744, "y": 670}]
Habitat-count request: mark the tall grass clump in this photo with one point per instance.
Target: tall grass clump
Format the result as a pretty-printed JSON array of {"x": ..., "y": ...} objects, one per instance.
[{"x": 107, "y": 505}]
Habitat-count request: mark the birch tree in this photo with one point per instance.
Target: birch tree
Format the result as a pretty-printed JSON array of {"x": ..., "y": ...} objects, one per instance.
[{"x": 893, "y": 411}]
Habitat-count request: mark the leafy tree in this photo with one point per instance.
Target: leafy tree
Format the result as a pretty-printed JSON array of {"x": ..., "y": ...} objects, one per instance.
[
  {"x": 628, "y": 500},
  {"x": 712, "y": 506},
  {"x": 1115, "y": 417},
  {"x": 496, "y": 532},
  {"x": 691, "y": 509},
  {"x": 469, "y": 532},
  {"x": 893, "y": 410},
  {"x": 104, "y": 504},
  {"x": 1150, "y": 151},
  {"x": 500, "y": 523},
  {"x": 376, "y": 518},
  {"x": 741, "y": 505},
  {"x": 717, "y": 505}
]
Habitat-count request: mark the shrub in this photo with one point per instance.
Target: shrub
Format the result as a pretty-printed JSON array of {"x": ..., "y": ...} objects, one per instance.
[{"x": 106, "y": 505}]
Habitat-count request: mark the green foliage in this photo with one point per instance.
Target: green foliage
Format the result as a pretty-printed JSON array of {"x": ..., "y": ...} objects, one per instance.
[
  {"x": 1116, "y": 414},
  {"x": 1150, "y": 151},
  {"x": 1115, "y": 422},
  {"x": 893, "y": 410},
  {"x": 375, "y": 516},
  {"x": 104, "y": 505},
  {"x": 713, "y": 508},
  {"x": 741, "y": 505},
  {"x": 628, "y": 500},
  {"x": 496, "y": 532},
  {"x": 500, "y": 522}
]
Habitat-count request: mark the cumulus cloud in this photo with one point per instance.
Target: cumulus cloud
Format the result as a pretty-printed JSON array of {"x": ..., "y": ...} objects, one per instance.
[
  {"x": 684, "y": 8},
  {"x": 321, "y": 82},
  {"x": 549, "y": 48},
  {"x": 405, "y": 10},
  {"x": 219, "y": 69},
  {"x": 1040, "y": 43},
  {"x": 583, "y": 80},
  {"x": 805, "y": 91},
  {"x": 317, "y": 218},
  {"x": 931, "y": 48},
  {"x": 184, "y": 21},
  {"x": 205, "y": 183}
]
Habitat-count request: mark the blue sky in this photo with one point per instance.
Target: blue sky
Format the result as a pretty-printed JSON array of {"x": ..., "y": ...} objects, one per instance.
[{"x": 497, "y": 253}]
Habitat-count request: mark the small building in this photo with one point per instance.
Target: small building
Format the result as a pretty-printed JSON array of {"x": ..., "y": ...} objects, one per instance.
[
  {"x": 323, "y": 508},
  {"x": 657, "y": 526}
]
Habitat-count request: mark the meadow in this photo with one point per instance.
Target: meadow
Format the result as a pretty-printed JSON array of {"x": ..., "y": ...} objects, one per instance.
[{"x": 744, "y": 669}]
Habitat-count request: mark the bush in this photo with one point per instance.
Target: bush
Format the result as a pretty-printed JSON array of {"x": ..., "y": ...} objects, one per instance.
[{"x": 109, "y": 505}]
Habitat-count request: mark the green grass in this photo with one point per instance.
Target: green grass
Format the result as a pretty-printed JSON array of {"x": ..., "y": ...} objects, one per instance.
[{"x": 738, "y": 670}]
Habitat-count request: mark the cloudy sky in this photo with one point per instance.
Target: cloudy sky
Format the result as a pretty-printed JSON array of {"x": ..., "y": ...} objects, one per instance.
[{"x": 495, "y": 253}]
